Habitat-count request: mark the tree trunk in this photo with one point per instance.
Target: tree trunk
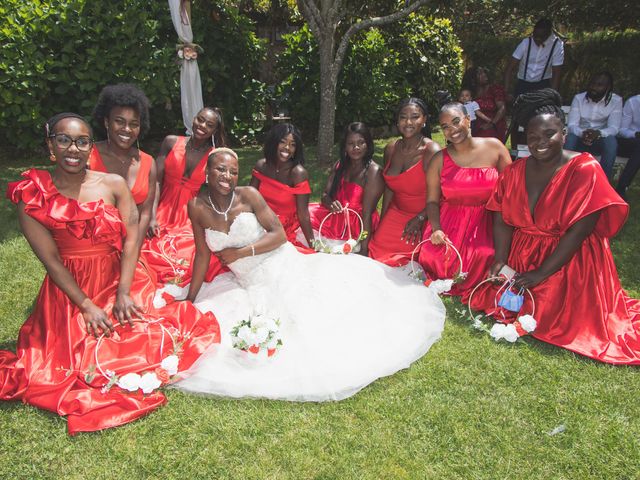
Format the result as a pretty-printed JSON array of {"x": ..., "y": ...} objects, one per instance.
[{"x": 326, "y": 127}]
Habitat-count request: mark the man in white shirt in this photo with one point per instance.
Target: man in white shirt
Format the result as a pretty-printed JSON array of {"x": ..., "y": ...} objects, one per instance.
[
  {"x": 594, "y": 121},
  {"x": 539, "y": 59},
  {"x": 629, "y": 143}
]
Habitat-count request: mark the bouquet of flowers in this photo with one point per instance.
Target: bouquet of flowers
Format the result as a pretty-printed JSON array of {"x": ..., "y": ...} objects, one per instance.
[
  {"x": 351, "y": 245},
  {"x": 257, "y": 333},
  {"x": 439, "y": 285}
]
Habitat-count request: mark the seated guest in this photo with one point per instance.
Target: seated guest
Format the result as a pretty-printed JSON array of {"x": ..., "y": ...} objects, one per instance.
[
  {"x": 491, "y": 98},
  {"x": 629, "y": 143},
  {"x": 554, "y": 213},
  {"x": 594, "y": 121},
  {"x": 284, "y": 183},
  {"x": 80, "y": 353},
  {"x": 356, "y": 182},
  {"x": 404, "y": 204},
  {"x": 539, "y": 59}
]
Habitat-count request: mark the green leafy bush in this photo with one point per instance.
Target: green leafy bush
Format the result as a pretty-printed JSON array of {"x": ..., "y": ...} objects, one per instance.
[
  {"x": 417, "y": 56},
  {"x": 58, "y": 55}
]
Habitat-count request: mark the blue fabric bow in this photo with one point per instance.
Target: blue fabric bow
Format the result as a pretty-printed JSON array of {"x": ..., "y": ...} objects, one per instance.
[{"x": 511, "y": 301}]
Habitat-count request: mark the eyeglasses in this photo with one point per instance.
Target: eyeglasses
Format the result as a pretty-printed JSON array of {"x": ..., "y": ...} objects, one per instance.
[{"x": 63, "y": 141}]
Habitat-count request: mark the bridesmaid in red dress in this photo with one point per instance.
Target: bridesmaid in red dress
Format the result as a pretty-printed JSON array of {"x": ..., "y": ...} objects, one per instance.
[
  {"x": 554, "y": 214},
  {"x": 284, "y": 183},
  {"x": 82, "y": 225},
  {"x": 460, "y": 180},
  {"x": 356, "y": 182},
  {"x": 404, "y": 205},
  {"x": 181, "y": 166},
  {"x": 123, "y": 110},
  {"x": 491, "y": 99}
]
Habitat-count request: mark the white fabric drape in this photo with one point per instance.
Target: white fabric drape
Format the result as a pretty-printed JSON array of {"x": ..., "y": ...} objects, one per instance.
[{"x": 190, "y": 83}]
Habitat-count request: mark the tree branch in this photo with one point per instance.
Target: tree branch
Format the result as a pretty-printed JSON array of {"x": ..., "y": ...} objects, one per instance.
[{"x": 310, "y": 11}]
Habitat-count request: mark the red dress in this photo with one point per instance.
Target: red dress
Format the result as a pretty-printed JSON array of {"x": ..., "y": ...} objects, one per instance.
[
  {"x": 487, "y": 102},
  {"x": 171, "y": 253},
  {"x": 465, "y": 221},
  {"x": 409, "y": 198},
  {"x": 140, "y": 188},
  {"x": 281, "y": 198},
  {"x": 349, "y": 194},
  {"x": 582, "y": 306},
  {"x": 54, "y": 366}
]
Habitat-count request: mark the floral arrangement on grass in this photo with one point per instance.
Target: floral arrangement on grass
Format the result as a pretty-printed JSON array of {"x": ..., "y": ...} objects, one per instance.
[
  {"x": 352, "y": 245},
  {"x": 440, "y": 286},
  {"x": 257, "y": 333}
]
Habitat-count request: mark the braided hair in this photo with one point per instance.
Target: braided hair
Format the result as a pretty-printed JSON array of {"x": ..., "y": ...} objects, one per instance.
[
  {"x": 609, "y": 93},
  {"x": 345, "y": 161},
  {"x": 540, "y": 102}
]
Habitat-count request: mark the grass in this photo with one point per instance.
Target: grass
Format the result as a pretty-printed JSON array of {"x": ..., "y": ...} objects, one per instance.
[{"x": 470, "y": 408}]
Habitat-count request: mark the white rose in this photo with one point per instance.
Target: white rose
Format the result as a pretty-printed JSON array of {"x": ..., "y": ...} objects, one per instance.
[
  {"x": 129, "y": 382},
  {"x": 149, "y": 382},
  {"x": 510, "y": 333},
  {"x": 170, "y": 364},
  {"x": 158, "y": 301},
  {"x": 245, "y": 334},
  {"x": 528, "y": 323},
  {"x": 261, "y": 335},
  {"x": 497, "y": 332},
  {"x": 336, "y": 249},
  {"x": 441, "y": 286},
  {"x": 176, "y": 291}
]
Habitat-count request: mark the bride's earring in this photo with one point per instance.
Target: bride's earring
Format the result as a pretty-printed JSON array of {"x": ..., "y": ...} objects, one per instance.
[{"x": 206, "y": 178}]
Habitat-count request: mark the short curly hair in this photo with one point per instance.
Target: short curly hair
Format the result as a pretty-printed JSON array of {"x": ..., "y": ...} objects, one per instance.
[{"x": 122, "y": 95}]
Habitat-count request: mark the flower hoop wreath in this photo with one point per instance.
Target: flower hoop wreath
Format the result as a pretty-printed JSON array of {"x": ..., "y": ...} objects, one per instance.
[
  {"x": 511, "y": 332},
  {"x": 148, "y": 381},
  {"x": 352, "y": 245},
  {"x": 439, "y": 285}
]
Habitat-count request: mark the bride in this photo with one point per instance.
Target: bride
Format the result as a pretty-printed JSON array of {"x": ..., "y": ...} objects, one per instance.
[{"x": 344, "y": 320}]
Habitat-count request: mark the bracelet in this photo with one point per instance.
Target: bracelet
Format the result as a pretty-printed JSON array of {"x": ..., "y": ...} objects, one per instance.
[
  {"x": 421, "y": 217},
  {"x": 253, "y": 250}
]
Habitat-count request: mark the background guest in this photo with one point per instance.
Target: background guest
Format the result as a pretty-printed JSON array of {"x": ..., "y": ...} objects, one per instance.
[
  {"x": 491, "y": 98},
  {"x": 629, "y": 143}
]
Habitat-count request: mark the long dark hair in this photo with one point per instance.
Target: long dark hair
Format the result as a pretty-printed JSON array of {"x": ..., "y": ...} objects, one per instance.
[
  {"x": 275, "y": 135},
  {"x": 426, "y": 130},
  {"x": 345, "y": 161},
  {"x": 609, "y": 93}
]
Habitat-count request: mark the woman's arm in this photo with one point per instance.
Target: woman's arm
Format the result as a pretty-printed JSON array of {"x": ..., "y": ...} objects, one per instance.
[
  {"x": 326, "y": 200},
  {"x": 299, "y": 174},
  {"x": 45, "y": 248},
  {"x": 569, "y": 243},
  {"x": 374, "y": 187},
  {"x": 124, "y": 307},
  {"x": 165, "y": 148},
  {"x": 272, "y": 239},
  {"x": 502, "y": 235},
  {"x": 203, "y": 254},
  {"x": 146, "y": 208},
  {"x": 433, "y": 198}
]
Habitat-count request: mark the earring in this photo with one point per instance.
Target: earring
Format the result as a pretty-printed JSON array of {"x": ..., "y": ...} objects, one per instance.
[
  {"x": 206, "y": 178},
  {"x": 52, "y": 157},
  {"x": 137, "y": 144},
  {"x": 213, "y": 141}
]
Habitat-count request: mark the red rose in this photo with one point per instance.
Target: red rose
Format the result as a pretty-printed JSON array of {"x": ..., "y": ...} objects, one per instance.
[{"x": 162, "y": 375}]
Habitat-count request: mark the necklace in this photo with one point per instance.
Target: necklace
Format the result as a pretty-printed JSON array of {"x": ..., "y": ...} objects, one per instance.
[
  {"x": 225, "y": 213},
  {"x": 196, "y": 149}
]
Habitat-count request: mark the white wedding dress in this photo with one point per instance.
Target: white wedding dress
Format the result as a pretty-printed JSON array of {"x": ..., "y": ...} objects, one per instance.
[{"x": 345, "y": 321}]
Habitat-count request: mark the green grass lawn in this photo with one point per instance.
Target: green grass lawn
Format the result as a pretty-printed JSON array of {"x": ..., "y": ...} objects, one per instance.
[{"x": 471, "y": 408}]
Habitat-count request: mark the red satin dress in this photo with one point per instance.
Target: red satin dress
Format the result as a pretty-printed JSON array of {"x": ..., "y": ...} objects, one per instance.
[
  {"x": 281, "y": 198},
  {"x": 465, "y": 221},
  {"x": 409, "y": 198},
  {"x": 348, "y": 194},
  {"x": 582, "y": 307},
  {"x": 54, "y": 366},
  {"x": 140, "y": 188},
  {"x": 171, "y": 253}
]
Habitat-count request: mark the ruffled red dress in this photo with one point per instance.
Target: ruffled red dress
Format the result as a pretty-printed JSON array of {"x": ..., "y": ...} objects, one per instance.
[
  {"x": 281, "y": 198},
  {"x": 171, "y": 253},
  {"x": 582, "y": 307},
  {"x": 465, "y": 221},
  {"x": 57, "y": 365},
  {"x": 349, "y": 194},
  {"x": 409, "y": 198}
]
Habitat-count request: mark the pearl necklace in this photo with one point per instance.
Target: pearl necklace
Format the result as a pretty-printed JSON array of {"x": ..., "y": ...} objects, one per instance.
[{"x": 226, "y": 212}]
